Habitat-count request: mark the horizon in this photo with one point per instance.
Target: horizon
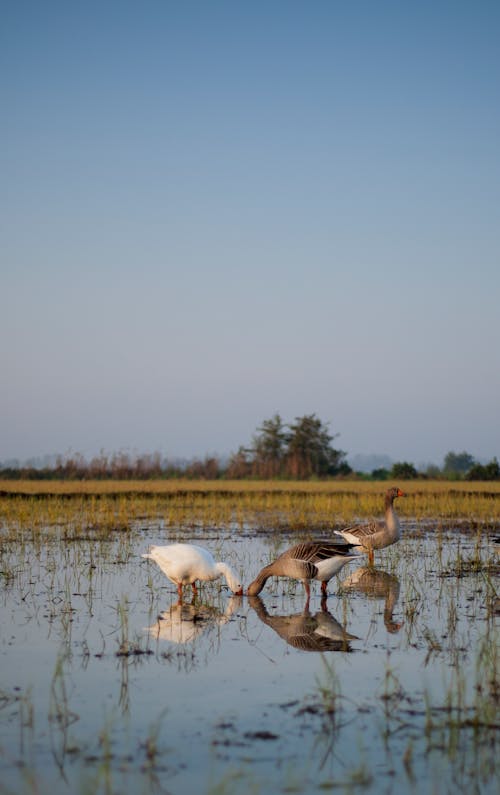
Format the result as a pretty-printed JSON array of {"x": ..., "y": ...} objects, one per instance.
[
  {"x": 213, "y": 210},
  {"x": 359, "y": 462}
]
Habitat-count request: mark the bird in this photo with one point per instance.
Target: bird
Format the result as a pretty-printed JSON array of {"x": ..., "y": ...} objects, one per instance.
[
  {"x": 376, "y": 535},
  {"x": 319, "y": 632},
  {"x": 184, "y": 623},
  {"x": 311, "y": 560},
  {"x": 184, "y": 564},
  {"x": 376, "y": 584}
]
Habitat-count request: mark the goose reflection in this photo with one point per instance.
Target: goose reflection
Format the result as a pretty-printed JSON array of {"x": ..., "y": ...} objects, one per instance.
[
  {"x": 305, "y": 631},
  {"x": 377, "y": 584},
  {"x": 185, "y": 622}
]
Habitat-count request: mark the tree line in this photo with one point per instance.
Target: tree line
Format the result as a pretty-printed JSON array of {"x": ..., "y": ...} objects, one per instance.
[{"x": 299, "y": 450}]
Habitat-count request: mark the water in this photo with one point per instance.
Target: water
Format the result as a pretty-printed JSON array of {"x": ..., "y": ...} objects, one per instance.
[{"x": 107, "y": 685}]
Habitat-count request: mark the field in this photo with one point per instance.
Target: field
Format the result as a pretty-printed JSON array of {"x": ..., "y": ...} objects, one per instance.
[
  {"x": 110, "y": 686},
  {"x": 264, "y": 505}
]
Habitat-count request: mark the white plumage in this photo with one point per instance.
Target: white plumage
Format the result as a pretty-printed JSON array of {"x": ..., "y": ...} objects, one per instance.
[
  {"x": 184, "y": 564},
  {"x": 184, "y": 623}
]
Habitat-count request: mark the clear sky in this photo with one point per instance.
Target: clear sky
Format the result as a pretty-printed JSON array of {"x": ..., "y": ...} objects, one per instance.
[{"x": 212, "y": 211}]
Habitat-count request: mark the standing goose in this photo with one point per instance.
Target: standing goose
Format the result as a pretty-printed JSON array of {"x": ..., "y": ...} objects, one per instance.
[
  {"x": 183, "y": 564},
  {"x": 377, "y": 584},
  {"x": 313, "y": 560},
  {"x": 376, "y": 535}
]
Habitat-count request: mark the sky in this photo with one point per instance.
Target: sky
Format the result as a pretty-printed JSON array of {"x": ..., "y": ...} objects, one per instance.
[{"x": 215, "y": 211}]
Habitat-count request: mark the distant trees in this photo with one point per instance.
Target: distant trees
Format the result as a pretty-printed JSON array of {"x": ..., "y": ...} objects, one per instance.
[
  {"x": 464, "y": 466},
  {"x": 381, "y": 473},
  {"x": 309, "y": 451},
  {"x": 404, "y": 471},
  {"x": 457, "y": 464},
  {"x": 269, "y": 448},
  {"x": 489, "y": 471},
  {"x": 74, "y": 466},
  {"x": 299, "y": 450}
]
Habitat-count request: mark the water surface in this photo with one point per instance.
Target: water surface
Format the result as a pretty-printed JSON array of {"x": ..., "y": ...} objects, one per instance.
[{"x": 108, "y": 685}]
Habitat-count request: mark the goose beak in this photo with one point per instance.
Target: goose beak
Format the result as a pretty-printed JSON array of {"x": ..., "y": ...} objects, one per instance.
[
  {"x": 239, "y": 592},
  {"x": 401, "y": 493}
]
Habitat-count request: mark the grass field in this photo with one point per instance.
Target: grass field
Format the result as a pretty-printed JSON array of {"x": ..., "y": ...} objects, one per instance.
[
  {"x": 106, "y": 506},
  {"x": 175, "y": 486}
]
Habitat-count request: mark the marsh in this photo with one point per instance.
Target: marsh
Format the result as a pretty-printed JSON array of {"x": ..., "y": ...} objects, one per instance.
[{"x": 109, "y": 685}]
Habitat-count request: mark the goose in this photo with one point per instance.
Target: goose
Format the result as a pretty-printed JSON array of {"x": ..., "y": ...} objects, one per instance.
[
  {"x": 319, "y": 632},
  {"x": 312, "y": 560},
  {"x": 376, "y": 535},
  {"x": 376, "y": 584},
  {"x": 183, "y": 623},
  {"x": 183, "y": 564}
]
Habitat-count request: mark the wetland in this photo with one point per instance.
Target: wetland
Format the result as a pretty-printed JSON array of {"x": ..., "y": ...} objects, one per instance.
[{"x": 109, "y": 685}]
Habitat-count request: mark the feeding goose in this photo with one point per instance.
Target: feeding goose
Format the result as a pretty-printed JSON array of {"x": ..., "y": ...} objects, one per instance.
[
  {"x": 319, "y": 632},
  {"x": 183, "y": 623},
  {"x": 312, "y": 560},
  {"x": 376, "y": 534},
  {"x": 184, "y": 564}
]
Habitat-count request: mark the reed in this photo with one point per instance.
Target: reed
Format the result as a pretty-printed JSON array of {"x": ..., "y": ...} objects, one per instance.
[{"x": 99, "y": 508}]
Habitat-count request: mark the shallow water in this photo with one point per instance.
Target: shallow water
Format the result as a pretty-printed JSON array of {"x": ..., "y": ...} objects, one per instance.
[{"x": 107, "y": 685}]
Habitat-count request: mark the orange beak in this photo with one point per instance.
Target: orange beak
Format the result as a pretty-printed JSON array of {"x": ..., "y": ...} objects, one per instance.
[
  {"x": 239, "y": 593},
  {"x": 401, "y": 493}
]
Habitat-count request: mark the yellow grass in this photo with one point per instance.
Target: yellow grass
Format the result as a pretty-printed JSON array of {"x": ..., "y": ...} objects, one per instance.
[
  {"x": 244, "y": 486},
  {"x": 104, "y": 506}
]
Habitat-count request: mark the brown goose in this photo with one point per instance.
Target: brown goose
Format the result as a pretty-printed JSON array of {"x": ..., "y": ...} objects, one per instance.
[
  {"x": 312, "y": 560},
  {"x": 376, "y": 535},
  {"x": 319, "y": 632},
  {"x": 376, "y": 584}
]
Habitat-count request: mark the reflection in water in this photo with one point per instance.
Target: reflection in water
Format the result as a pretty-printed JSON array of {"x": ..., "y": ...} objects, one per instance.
[
  {"x": 377, "y": 584},
  {"x": 183, "y": 623},
  {"x": 304, "y": 631}
]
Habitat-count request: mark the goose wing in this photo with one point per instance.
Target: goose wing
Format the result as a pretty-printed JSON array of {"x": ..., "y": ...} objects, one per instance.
[
  {"x": 361, "y": 531},
  {"x": 316, "y": 551}
]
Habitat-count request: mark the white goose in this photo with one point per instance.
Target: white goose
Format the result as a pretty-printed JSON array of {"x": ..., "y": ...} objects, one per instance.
[
  {"x": 183, "y": 564},
  {"x": 376, "y": 535},
  {"x": 183, "y": 623}
]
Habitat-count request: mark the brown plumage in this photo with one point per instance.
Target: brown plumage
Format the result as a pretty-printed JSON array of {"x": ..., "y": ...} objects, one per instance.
[
  {"x": 312, "y": 560},
  {"x": 376, "y": 535},
  {"x": 319, "y": 632},
  {"x": 376, "y": 584}
]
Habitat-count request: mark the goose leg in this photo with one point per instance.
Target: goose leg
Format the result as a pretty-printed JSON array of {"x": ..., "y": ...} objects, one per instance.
[
  {"x": 371, "y": 559},
  {"x": 195, "y": 590},
  {"x": 308, "y": 594},
  {"x": 179, "y": 591},
  {"x": 323, "y": 588}
]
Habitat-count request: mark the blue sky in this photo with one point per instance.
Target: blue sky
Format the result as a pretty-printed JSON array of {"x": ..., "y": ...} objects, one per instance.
[{"x": 213, "y": 211}]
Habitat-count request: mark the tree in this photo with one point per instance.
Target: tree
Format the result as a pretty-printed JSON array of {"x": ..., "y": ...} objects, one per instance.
[
  {"x": 269, "y": 448},
  {"x": 457, "y": 464},
  {"x": 238, "y": 466},
  {"x": 309, "y": 450},
  {"x": 403, "y": 470},
  {"x": 489, "y": 471},
  {"x": 432, "y": 471},
  {"x": 381, "y": 474}
]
